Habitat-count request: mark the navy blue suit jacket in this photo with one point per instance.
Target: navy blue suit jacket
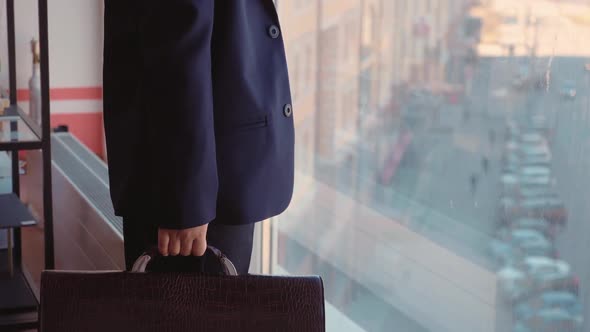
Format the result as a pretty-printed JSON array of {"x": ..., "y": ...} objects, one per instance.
[{"x": 197, "y": 111}]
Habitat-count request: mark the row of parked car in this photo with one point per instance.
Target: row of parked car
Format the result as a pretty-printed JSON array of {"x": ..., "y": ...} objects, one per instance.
[{"x": 540, "y": 287}]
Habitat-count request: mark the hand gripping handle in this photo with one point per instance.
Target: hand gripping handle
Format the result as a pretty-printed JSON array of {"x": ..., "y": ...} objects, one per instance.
[{"x": 141, "y": 263}]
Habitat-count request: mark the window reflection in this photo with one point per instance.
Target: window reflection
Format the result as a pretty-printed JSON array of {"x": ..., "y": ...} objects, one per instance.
[{"x": 442, "y": 149}]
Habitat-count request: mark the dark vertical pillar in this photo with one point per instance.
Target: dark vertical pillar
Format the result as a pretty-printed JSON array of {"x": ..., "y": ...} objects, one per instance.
[{"x": 46, "y": 131}]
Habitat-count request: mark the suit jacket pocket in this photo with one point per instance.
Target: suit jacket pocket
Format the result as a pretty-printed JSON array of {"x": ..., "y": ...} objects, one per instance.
[{"x": 243, "y": 124}]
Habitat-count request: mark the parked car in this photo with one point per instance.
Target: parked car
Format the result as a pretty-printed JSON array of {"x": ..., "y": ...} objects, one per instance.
[
  {"x": 513, "y": 284},
  {"x": 551, "y": 299},
  {"x": 538, "y": 151},
  {"x": 520, "y": 327},
  {"x": 512, "y": 130},
  {"x": 511, "y": 182},
  {"x": 537, "y": 224},
  {"x": 512, "y": 159},
  {"x": 548, "y": 208},
  {"x": 509, "y": 207},
  {"x": 544, "y": 160},
  {"x": 520, "y": 235},
  {"x": 536, "y": 180},
  {"x": 551, "y": 209},
  {"x": 535, "y": 275},
  {"x": 533, "y": 139},
  {"x": 521, "y": 78},
  {"x": 531, "y": 192},
  {"x": 510, "y": 185},
  {"x": 511, "y": 145},
  {"x": 516, "y": 157},
  {"x": 510, "y": 166},
  {"x": 550, "y": 274},
  {"x": 511, "y": 246},
  {"x": 541, "y": 181},
  {"x": 568, "y": 89},
  {"x": 538, "y": 124},
  {"x": 538, "y": 159},
  {"x": 532, "y": 170},
  {"x": 537, "y": 192},
  {"x": 554, "y": 320},
  {"x": 505, "y": 254}
]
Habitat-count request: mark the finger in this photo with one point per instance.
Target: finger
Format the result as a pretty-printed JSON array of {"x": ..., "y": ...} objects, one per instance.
[
  {"x": 199, "y": 247},
  {"x": 163, "y": 240},
  {"x": 174, "y": 245},
  {"x": 186, "y": 246}
]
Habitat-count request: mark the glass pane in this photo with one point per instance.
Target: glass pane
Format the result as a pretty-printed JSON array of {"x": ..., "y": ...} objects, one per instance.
[
  {"x": 15, "y": 129},
  {"x": 5, "y": 172},
  {"x": 5, "y": 187},
  {"x": 442, "y": 159}
]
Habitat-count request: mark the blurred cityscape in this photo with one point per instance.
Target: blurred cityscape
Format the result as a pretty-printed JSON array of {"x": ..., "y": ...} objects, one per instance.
[{"x": 442, "y": 149}]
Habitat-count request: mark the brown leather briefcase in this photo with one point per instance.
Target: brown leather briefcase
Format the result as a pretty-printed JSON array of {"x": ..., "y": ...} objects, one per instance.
[{"x": 179, "y": 302}]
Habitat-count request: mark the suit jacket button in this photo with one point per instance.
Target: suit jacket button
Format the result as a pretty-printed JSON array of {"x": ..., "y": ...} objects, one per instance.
[
  {"x": 288, "y": 110},
  {"x": 273, "y": 31}
]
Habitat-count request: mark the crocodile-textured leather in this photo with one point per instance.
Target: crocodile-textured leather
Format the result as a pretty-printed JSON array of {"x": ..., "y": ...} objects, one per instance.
[{"x": 178, "y": 302}]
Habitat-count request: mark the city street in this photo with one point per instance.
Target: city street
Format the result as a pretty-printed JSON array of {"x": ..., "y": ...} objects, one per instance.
[
  {"x": 430, "y": 192},
  {"x": 571, "y": 152},
  {"x": 563, "y": 52},
  {"x": 446, "y": 161},
  {"x": 422, "y": 235},
  {"x": 440, "y": 162},
  {"x": 438, "y": 176}
]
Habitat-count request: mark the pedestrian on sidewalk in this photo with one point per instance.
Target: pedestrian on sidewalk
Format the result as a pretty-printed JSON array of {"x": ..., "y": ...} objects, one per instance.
[
  {"x": 473, "y": 181},
  {"x": 485, "y": 164},
  {"x": 466, "y": 115},
  {"x": 492, "y": 136}
]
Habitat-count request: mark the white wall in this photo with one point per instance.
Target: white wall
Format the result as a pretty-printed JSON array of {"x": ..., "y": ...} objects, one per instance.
[{"x": 75, "y": 43}]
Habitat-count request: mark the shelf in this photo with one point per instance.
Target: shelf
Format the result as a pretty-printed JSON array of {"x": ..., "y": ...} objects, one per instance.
[
  {"x": 14, "y": 212},
  {"x": 17, "y": 296},
  {"x": 19, "y": 321},
  {"x": 18, "y": 304},
  {"x": 18, "y": 131}
]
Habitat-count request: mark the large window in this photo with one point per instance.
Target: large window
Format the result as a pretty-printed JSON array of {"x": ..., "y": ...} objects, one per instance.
[{"x": 443, "y": 149}]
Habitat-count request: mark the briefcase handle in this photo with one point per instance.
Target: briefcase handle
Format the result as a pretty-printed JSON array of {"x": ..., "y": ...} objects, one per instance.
[{"x": 141, "y": 263}]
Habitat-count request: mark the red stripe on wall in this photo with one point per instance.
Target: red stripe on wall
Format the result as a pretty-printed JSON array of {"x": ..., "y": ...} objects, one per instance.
[{"x": 80, "y": 93}]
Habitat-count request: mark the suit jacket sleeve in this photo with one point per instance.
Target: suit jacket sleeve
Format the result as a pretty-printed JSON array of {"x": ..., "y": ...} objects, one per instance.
[{"x": 176, "y": 54}]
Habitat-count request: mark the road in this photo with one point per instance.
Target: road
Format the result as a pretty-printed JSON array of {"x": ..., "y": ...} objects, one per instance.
[
  {"x": 437, "y": 175},
  {"x": 571, "y": 150},
  {"x": 430, "y": 194},
  {"x": 446, "y": 224},
  {"x": 430, "y": 190},
  {"x": 562, "y": 53},
  {"x": 443, "y": 161}
]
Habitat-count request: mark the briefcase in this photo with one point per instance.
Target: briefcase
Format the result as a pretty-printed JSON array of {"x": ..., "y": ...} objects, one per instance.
[{"x": 179, "y": 301}]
